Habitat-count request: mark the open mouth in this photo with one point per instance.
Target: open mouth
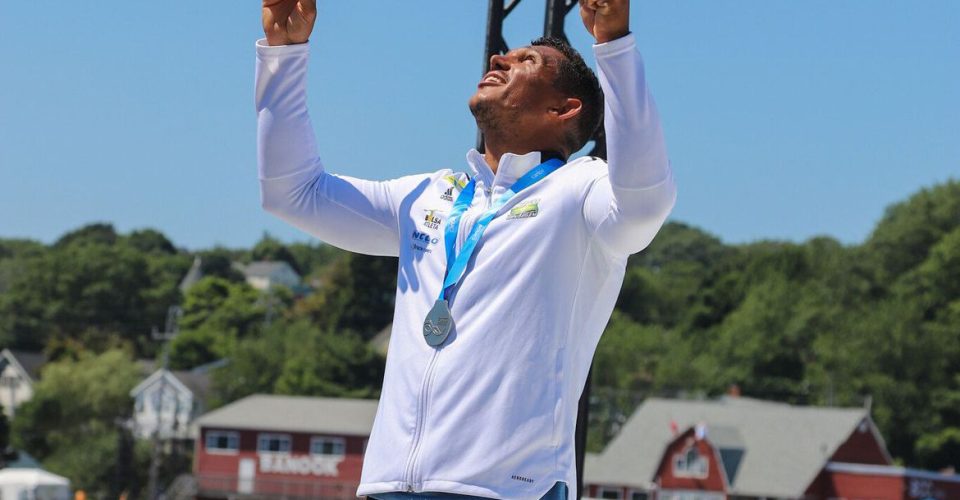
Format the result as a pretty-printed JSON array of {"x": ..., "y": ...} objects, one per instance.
[{"x": 493, "y": 78}]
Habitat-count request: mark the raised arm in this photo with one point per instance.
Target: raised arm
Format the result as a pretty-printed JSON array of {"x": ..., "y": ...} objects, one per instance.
[
  {"x": 352, "y": 214},
  {"x": 627, "y": 207}
]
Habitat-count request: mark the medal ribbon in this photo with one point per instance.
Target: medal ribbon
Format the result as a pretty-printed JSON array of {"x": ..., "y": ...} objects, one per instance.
[{"x": 457, "y": 264}]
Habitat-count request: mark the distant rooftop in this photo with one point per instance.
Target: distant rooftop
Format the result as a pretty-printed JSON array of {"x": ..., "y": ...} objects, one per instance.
[
  {"x": 783, "y": 446},
  {"x": 31, "y": 362},
  {"x": 266, "y": 269},
  {"x": 295, "y": 414}
]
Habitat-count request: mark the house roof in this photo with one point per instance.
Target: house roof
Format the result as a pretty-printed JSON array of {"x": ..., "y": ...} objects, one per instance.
[
  {"x": 197, "y": 382},
  {"x": 29, "y": 363},
  {"x": 23, "y": 461},
  {"x": 266, "y": 269},
  {"x": 194, "y": 275},
  {"x": 295, "y": 414},
  {"x": 784, "y": 446},
  {"x": 31, "y": 477}
]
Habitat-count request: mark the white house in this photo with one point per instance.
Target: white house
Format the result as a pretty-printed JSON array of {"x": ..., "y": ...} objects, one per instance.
[
  {"x": 19, "y": 370},
  {"x": 168, "y": 401}
]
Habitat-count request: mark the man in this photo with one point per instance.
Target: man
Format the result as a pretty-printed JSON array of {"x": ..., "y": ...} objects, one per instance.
[{"x": 507, "y": 276}]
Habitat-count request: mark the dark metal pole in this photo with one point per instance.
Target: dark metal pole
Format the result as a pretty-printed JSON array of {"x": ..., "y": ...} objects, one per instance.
[
  {"x": 557, "y": 11},
  {"x": 583, "y": 419}
]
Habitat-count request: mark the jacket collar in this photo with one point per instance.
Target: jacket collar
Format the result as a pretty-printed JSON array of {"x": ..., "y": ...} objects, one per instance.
[{"x": 511, "y": 167}]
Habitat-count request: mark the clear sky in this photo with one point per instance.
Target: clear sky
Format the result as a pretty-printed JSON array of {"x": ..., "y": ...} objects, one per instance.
[{"x": 784, "y": 120}]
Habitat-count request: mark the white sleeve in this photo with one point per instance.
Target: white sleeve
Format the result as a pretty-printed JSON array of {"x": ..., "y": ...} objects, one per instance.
[
  {"x": 626, "y": 208},
  {"x": 353, "y": 214}
]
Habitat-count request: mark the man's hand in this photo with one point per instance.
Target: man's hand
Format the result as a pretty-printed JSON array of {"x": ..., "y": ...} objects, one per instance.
[
  {"x": 606, "y": 19},
  {"x": 286, "y": 22}
]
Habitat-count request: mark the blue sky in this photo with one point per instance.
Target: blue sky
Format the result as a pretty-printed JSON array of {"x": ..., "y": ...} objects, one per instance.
[{"x": 784, "y": 120}]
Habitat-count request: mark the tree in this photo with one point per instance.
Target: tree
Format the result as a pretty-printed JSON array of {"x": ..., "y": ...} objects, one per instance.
[
  {"x": 271, "y": 249},
  {"x": 296, "y": 357},
  {"x": 219, "y": 262},
  {"x": 74, "y": 290},
  {"x": 192, "y": 348},
  {"x": 73, "y": 420},
  {"x": 356, "y": 295},
  {"x": 219, "y": 305},
  {"x": 909, "y": 229},
  {"x": 151, "y": 241},
  {"x": 92, "y": 234}
]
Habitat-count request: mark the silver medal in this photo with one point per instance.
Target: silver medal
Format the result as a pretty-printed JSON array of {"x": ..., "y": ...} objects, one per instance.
[{"x": 438, "y": 324}]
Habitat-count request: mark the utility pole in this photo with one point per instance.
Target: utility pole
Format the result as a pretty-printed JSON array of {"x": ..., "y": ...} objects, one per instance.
[
  {"x": 553, "y": 25},
  {"x": 174, "y": 313}
]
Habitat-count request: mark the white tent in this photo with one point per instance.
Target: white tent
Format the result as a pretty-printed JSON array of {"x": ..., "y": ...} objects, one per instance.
[{"x": 33, "y": 484}]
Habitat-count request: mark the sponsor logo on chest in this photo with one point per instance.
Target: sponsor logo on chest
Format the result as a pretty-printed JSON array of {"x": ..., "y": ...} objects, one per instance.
[
  {"x": 456, "y": 185},
  {"x": 421, "y": 241},
  {"x": 525, "y": 210},
  {"x": 432, "y": 219}
]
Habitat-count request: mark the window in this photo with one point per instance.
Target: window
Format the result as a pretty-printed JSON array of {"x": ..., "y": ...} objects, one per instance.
[
  {"x": 222, "y": 442},
  {"x": 608, "y": 492},
  {"x": 327, "y": 446},
  {"x": 273, "y": 443},
  {"x": 638, "y": 495},
  {"x": 690, "y": 463}
]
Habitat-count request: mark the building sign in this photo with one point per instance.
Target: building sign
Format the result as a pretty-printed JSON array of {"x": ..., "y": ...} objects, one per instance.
[
  {"x": 922, "y": 489},
  {"x": 304, "y": 465}
]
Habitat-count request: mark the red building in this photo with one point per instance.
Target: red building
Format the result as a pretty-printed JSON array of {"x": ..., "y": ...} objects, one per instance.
[
  {"x": 740, "y": 448},
  {"x": 283, "y": 446}
]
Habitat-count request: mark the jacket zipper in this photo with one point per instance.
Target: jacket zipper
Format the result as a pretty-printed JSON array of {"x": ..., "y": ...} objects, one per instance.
[
  {"x": 421, "y": 416},
  {"x": 412, "y": 478}
]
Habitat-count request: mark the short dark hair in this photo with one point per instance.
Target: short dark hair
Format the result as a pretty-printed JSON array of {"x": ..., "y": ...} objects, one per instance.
[{"x": 575, "y": 78}]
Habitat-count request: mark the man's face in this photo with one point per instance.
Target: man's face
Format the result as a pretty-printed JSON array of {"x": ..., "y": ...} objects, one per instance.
[{"x": 518, "y": 90}]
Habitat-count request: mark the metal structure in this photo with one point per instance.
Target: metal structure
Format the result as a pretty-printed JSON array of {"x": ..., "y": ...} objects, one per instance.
[
  {"x": 174, "y": 313},
  {"x": 553, "y": 25}
]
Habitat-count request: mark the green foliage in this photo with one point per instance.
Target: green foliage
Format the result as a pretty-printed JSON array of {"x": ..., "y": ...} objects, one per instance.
[
  {"x": 271, "y": 249},
  {"x": 151, "y": 241},
  {"x": 221, "y": 305},
  {"x": 356, "y": 295},
  {"x": 810, "y": 323},
  {"x": 301, "y": 359},
  {"x": 910, "y": 228},
  {"x": 93, "y": 285},
  {"x": 314, "y": 258},
  {"x": 91, "y": 234},
  {"x": 219, "y": 262},
  {"x": 72, "y": 422},
  {"x": 192, "y": 348}
]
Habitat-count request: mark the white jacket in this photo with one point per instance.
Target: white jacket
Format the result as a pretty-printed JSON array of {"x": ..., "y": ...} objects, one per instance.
[{"x": 492, "y": 412}]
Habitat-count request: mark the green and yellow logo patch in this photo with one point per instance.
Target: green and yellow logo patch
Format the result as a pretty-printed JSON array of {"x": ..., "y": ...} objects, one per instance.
[
  {"x": 458, "y": 182},
  {"x": 525, "y": 210}
]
